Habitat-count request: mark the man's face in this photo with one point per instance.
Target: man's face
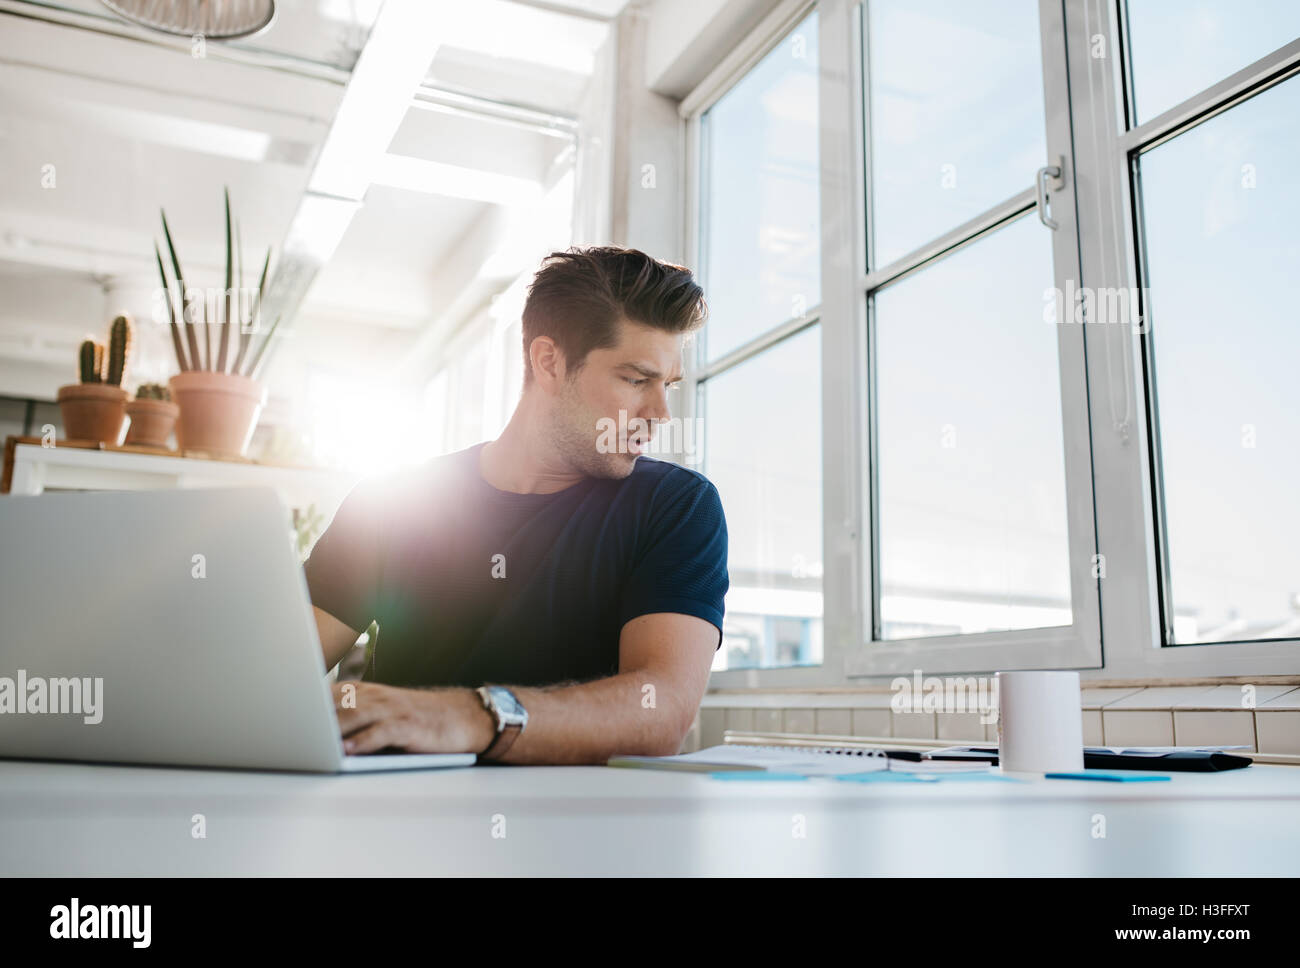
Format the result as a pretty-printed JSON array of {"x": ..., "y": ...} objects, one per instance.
[{"x": 633, "y": 377}]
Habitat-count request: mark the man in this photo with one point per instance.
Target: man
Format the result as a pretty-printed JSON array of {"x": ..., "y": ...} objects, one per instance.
[{"x": 551, "y": 596}]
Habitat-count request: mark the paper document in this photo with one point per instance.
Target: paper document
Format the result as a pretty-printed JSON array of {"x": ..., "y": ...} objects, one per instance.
[
  {"x": 941, "y": 766},
  {"x": 818, "y": 761},
  {"x": 803, "y": 761}
]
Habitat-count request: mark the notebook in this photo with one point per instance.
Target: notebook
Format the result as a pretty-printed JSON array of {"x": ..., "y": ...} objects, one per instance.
[
  {"x": 802, "y": 760},
  {"x": 1187, "y": 759}
]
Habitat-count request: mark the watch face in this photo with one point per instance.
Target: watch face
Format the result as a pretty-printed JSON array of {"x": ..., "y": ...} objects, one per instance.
[{"x": 510, "y": 709}]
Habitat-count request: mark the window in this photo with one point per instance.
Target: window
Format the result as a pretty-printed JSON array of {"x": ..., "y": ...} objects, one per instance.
[
  {"x": 1218, "y": 209},
  {"x": 468, "y": 383},
  {"x": 763, "y": 453},
  {"x": 1047, "y": 378},
  {"x": 760, "y": 226},
  {"x": 759, "y": 367},
  {"x": 955, "y": 92},
  {"x": 971, "y": 533},
  {"x": 972, "y": 521},
  {"x": 1180, "y": 47}
]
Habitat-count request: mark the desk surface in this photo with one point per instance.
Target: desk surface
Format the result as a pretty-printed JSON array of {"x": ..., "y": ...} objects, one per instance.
[{"x": 74, "y": 819}]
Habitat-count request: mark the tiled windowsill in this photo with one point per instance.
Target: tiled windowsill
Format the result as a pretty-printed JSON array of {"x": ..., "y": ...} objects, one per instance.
[{"x": 1187, "y": 713}]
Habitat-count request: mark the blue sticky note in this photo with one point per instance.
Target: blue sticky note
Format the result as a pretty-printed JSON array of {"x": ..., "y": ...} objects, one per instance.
[
  {"x": 756, "y": 775},
  {"x": 885, "y": 776},
  {"x": 888, "y": 776},
  {"x": 1112, "y": 777}
]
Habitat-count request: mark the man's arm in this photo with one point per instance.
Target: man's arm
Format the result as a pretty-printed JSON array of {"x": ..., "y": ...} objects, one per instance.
[
  {"x": 646, "y": 708},
  {"x": 335, "y": 637}
]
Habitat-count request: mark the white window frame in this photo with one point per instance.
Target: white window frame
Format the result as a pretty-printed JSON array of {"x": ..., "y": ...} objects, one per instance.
[
  {"x": 1127, "y": 526},
  {"x": 731, "y": 70},
  {"x": 1109, "y": 475}
]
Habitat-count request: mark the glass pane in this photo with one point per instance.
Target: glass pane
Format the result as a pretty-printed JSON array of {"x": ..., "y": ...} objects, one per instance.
[
  {"x": 763, "y": 452},
  {"x": 1180, "y": 47},
  {"x": 761, "y": 218},
  {"x": 973, "y": 533},
  {"x": 1220, "y": 206},
  {"x": 957, "y": 122}
]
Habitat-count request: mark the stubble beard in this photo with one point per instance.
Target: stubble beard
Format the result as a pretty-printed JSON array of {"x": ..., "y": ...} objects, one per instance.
[{"x": 574, "y": 431}]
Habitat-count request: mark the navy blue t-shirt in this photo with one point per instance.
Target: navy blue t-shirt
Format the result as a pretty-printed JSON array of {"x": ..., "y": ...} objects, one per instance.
[{"x": 470, "y": 584}]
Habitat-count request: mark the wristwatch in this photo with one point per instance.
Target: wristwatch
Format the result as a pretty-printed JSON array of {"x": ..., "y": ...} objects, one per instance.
[{"x": 510, "y": 717}]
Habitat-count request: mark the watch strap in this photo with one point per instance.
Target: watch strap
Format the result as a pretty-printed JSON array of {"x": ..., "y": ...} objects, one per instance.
[{"x": 503, "y": 740}]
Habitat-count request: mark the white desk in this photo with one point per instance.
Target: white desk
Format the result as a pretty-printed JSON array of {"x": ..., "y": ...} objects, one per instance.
[{"x": 69, "y": 819}]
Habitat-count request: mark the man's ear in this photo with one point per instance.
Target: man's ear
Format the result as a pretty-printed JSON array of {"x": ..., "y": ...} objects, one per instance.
[{"x": 547, "y": 361}]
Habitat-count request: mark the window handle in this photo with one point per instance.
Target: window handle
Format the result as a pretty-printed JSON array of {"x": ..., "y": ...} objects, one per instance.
[{"x": 1040, "y": 184}]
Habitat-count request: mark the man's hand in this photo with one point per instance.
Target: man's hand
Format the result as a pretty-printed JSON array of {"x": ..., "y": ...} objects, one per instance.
[{"x": 373, "y": 717}]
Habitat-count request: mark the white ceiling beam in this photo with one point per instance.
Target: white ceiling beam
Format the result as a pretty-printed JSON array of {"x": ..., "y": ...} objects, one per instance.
[
  {"x": 503, "y": 245},
  {"x": 394, "y": 61},
  {"x": 454, "y": 181},
  {"x": 45, "y": 92},
  {"x": 601, "y": 11}
]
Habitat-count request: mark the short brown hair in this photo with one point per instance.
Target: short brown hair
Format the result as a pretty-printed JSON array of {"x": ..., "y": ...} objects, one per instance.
[{"x": 578, "y": 297}]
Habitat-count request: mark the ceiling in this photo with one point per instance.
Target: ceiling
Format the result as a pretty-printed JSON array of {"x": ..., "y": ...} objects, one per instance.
[{"x": 103, "y": 123}]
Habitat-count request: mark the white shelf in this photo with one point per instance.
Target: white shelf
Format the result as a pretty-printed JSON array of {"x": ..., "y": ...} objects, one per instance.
[{"x": 37, "y": 469}]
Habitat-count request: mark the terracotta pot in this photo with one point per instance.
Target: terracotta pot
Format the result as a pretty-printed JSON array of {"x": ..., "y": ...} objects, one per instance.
[
  {"x": 218, "y": 411},
  {"x": 151, "y": 422},
  {"x": 92, "y": 411}
]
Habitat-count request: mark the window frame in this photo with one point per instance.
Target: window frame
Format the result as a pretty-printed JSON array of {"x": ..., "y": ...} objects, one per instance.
[
  {"x": 733, "y": 68},
  {"x": 1126, "y": 458},
  {"x": 1073, "y": 646},
  {"x": 1111, "y": 474}
]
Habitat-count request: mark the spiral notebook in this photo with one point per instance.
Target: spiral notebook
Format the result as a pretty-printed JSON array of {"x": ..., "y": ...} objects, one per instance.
[{"x": 804, "y": 760}]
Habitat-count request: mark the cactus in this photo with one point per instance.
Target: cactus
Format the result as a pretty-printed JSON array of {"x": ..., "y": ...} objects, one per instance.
[
  {"x": 88, "y": 361},
  {"x": 152, "y": 391},
  {"x": 119, "y": 343},
  {"x": 91, "y": 355}
]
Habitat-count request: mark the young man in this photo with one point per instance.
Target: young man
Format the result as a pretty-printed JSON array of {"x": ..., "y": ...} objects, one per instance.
[{"x": 550, "y": 596}]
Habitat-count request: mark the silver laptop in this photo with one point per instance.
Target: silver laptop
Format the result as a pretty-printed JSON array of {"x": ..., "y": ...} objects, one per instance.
[{"x": 169, "y": 628}]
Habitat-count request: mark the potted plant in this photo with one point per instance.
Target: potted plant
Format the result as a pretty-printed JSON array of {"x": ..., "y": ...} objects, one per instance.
[
  {"x": 152, "y": 416},
  {"x": 218, "y": 393},
  {"x": 95, "y": 408}
]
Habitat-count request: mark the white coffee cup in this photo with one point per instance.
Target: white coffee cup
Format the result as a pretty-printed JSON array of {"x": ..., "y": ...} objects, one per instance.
[{"x": 1040, "y": 722}]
